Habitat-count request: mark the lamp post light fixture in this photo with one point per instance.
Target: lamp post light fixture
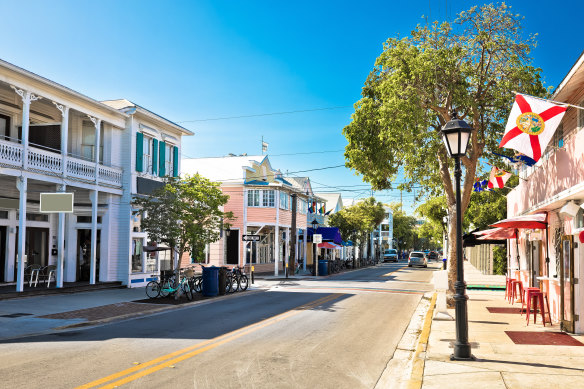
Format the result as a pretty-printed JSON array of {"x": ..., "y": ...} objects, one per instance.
[
  {"x": 315, "y": 255},
  {"x": 456, "y": 134}
]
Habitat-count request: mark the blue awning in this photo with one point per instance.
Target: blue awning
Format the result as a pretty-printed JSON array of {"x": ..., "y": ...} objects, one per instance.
[{"x": 329, "y": 234}]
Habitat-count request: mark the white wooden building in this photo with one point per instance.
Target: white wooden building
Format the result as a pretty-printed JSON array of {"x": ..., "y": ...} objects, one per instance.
[{"x": 54, "y": 139}]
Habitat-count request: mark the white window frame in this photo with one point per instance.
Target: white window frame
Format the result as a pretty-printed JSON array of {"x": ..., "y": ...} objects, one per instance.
[
  {"x": 284, "y": 200},
  {"x": 147, "y": 143},
  {"x": 169, "y": 159},
  {"x": 255, "y": 195},
  {"x": 268, "y": 198}
]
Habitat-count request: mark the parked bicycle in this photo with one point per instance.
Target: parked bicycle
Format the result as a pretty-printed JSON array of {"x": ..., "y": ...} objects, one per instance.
[
  {"x": 166, "y": 286},
  {"x": 236, "y": 280}
]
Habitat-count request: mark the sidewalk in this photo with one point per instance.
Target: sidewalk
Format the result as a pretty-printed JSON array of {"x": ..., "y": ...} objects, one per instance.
[{"x": 500, "y": 361}]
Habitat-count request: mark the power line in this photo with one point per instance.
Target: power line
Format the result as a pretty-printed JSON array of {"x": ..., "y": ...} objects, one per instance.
[{"x": 266, "y": 114}]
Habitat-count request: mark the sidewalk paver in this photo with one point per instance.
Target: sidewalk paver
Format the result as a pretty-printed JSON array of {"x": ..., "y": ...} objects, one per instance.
[{"x": 500, "y": 363}]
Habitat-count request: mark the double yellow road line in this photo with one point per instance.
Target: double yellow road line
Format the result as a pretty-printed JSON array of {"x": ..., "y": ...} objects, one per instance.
[{"x": 144, "y": 369}]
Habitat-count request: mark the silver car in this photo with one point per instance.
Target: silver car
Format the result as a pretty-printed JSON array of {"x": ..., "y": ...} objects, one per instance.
[{"x": 417, "y": 258}]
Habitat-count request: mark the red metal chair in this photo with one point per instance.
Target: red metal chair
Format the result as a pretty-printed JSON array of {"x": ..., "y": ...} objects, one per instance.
[
  {"x": 508, "y": 288},
  {"x": 525, "y": 297}
]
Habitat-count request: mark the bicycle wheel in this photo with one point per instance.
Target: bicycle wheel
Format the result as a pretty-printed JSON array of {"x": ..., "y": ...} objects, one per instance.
[
  {"x": 187, "y": 290},
  {"x": 243, "y": 282},
  {"x": 166, "y": 287},
  {"x": 198, "y": 284},
  {"x": 153, "y": 289},
  {"x": 228, "y": 283}
]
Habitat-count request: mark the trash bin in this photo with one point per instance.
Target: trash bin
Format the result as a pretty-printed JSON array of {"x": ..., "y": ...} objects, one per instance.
[
  {"x": 210, "y": 281},
  {"x": 323, "y": 267},
  {"x": 222, "y": 280},
  {"x": 443, "y": 263}
]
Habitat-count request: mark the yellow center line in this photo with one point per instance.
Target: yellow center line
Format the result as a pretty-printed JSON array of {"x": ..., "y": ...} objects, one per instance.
[{"x": 200, "y": 347}]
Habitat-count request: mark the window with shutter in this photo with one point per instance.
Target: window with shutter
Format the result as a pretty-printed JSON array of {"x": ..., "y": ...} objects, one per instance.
[{"x": 175, "y": 161}]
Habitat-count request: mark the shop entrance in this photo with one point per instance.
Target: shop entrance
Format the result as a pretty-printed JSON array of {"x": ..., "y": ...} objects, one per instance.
[
  {"x": 2, "y": 253},
  {"x": 84, "y": 255},
  {"x": 36, "y": 247},
  {"x": 534, "y": 262},
  {"x": 232, "y": 257},
  {"x": 567, "y": 284}
]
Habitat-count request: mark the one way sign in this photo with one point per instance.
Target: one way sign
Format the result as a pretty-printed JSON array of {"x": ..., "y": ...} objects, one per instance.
[{"x": 250, "y": 238}]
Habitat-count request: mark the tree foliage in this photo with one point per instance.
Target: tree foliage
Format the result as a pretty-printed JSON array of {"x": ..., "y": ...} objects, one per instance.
[
  {"x": 359, "y": 220},
  {"x": 184, "y": 214},
  {"x": 471, "y": 66},
  {"x": 403, "y": 228}
]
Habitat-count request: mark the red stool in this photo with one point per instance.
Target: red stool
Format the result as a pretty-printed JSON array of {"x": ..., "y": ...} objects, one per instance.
[
  {"x": 526, "y": 297},
  {"x": 536, "y": 296},
  {"x": 508, "y": 288},
  {"x": 516, "y": 291}
]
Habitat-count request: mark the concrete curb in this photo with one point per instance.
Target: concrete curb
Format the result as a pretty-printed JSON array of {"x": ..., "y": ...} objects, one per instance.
[
  {"x": 399, "y": 371},
  {"x": 419, "y": 359}
]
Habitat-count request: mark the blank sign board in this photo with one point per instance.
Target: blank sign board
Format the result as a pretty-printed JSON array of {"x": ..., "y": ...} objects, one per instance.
[{"x": 56, "y": 202}]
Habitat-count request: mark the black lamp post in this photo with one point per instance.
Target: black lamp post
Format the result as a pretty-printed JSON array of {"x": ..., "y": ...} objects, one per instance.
[
  {"x": 315, "y": 255},
  {"x": 456, "y": 134}
]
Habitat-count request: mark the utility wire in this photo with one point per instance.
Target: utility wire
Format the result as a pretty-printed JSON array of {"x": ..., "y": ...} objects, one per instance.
[{"x": 266, "y": 114}]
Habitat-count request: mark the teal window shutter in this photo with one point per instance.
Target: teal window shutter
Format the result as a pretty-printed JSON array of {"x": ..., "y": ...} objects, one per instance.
[
  {"x": 175, "y": 161},
  {"x": 162, "y": 159},
  {"x": 154, "y": 156},
  {"x": 139, "y": 151}
]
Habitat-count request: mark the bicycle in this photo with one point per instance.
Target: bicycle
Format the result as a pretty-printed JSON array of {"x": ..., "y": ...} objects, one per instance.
[
  {"x": 236, "y": 280},
  {"x": 167, "y": 288}
]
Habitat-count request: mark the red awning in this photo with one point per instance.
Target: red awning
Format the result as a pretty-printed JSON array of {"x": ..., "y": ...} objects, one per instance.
[
  {"x": 327, "y": 245},
  {"x": 499, "y": 233},
  {"x": 486, "y": 232},
  {"x": 537, "y": 221}
]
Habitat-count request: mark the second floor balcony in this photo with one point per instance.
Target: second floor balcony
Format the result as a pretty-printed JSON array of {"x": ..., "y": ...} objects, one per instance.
[{"x": 40, "y": 160}]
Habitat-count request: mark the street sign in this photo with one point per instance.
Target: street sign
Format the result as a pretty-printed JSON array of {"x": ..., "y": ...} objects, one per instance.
[
  {"x": 317, "y": 238},
  {"x": 251, "y": 238}
]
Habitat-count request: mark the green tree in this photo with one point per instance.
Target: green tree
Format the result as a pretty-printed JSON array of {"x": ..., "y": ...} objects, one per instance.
[
  {"x": 471, "y": 66},
  {"x": 488, "y": 207},
  {"x": 359, "y": 220},
  {"x": 184, "y": 214}
]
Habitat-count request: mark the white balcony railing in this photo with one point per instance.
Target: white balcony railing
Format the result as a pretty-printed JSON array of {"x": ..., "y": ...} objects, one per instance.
[{"x": 51, "y": 163}]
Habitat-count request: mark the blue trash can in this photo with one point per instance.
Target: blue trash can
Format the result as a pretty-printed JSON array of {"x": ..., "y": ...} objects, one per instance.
[
  {"x": 322, "y": 268},
  {"x": 210, "y": 281}
]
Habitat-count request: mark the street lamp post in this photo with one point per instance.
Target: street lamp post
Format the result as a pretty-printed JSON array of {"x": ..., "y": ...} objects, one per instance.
[
  {"x": 456, "y": 134},
  {"x": 315, "y": 255}
]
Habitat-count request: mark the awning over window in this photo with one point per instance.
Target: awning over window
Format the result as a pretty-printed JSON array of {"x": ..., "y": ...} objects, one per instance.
[
  {"x": 500, "y": 233},
  {"x": 327, "y": 245},
  {"x": 537, "y": 221}
]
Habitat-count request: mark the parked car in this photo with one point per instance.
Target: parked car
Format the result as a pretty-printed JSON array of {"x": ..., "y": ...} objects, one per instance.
[
  {"x": 433, "y": 255},
  {"x": 390, "y": 255},
  {"x": 417, "y": 258}
]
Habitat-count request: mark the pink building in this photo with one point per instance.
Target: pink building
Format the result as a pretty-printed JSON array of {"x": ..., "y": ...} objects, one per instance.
[
  {"x": 261, "y": 200},
  {"x": 555, "y": 186}
]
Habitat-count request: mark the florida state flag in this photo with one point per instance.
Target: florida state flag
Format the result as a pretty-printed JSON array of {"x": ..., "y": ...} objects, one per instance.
[
  {"x": 498, "y": 178},
  {"x": 531, "y": 125}
]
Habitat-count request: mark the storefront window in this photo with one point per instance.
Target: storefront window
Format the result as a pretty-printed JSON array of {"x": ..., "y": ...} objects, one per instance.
[{"x": 137, "y": 255}]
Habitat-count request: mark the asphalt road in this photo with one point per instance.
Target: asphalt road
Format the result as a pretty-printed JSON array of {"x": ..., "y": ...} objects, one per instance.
[{"x": 338, "y": 332}]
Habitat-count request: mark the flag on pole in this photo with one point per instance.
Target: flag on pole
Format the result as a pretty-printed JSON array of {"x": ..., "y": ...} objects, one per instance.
[
  {"x": 264, "y": 147},
  {"x": 531, "y": 125},
  {"x": 498, "y": 178}
]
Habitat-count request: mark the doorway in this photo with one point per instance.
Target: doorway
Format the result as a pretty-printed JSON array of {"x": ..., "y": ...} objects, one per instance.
[
  {"x": 2, "y": 253},
  {"x": 36, "y": 248},
  {"x": 534, "y": 262},
  {"x": 567, "y": 285},
  {"x": 232, "y": 256},
  {"x": 84, "y": 255}
]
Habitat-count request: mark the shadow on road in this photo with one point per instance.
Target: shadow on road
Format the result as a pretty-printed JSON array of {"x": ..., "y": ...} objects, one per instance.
[{"x": 198, "y": 322}]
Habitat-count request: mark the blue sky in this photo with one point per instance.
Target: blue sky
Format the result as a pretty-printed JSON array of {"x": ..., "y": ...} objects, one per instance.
[{"x": 196, "y": 60}]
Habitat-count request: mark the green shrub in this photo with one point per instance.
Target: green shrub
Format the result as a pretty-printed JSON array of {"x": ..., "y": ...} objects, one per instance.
[{"x": 500, "y": 260}]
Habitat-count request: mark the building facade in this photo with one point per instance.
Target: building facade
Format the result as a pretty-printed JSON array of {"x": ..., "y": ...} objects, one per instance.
[
  {"x": 261, "y": 200},
  {"x": 54, "y": 139},
  {"x": 555, "y": 187}
]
